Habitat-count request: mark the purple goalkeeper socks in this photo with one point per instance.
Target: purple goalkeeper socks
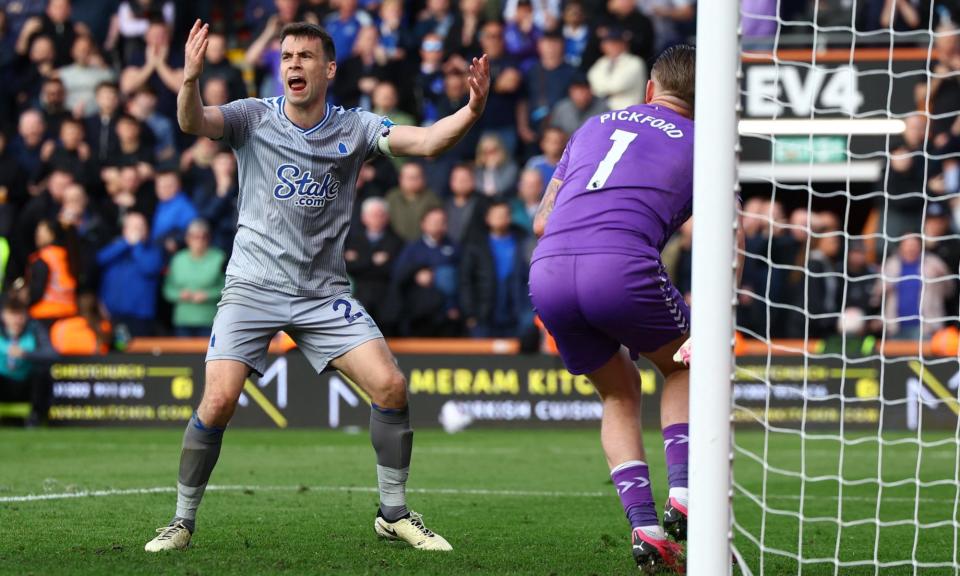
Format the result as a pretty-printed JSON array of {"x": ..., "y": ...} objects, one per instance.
[
  {"x": 632, "y": 481},
  {"x": 675, "y": 445}
]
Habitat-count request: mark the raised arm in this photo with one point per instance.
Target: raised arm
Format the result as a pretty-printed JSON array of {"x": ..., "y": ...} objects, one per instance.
[
  {"x": 255, "y": 51},
  {"x": 909, "y": 13},
  {"x": 172, "y": 78},
  {"x": 132, "y": 78},
  {"x": 29, "y": 28},
  {"x": 446, "y": 132},
  {"x": 193, "y": 117},
  {"x": 546, "y": 207}
]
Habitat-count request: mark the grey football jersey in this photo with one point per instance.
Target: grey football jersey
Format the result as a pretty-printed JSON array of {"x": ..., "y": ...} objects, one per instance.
[{"x": 296, "y": 193}]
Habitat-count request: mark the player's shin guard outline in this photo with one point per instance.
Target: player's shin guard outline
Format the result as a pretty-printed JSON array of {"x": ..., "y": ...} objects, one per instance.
[
  {"x": 631, "y": 479},
  {"x": 201, "y": 449},
  {"x": 392, "y": 439}
]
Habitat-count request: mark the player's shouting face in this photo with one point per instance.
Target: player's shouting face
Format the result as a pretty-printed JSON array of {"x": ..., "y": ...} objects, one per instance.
[{"x": 305, "y": 70}]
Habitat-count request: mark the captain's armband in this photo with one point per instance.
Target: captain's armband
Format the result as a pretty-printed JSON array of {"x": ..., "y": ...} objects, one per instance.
[{"x": 383, "y": 145}]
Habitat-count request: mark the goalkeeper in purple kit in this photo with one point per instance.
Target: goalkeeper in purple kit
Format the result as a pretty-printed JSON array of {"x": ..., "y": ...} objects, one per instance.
[{"x": 623, "y": 186}]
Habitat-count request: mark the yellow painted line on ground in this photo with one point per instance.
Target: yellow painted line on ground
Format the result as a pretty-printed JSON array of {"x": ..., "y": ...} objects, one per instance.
[
  {"x": 167, "y": 371},
  {"x": 363, "y": 395},
  {"x": 261, "y": 400},
  {"x": 933, "y": 384}
]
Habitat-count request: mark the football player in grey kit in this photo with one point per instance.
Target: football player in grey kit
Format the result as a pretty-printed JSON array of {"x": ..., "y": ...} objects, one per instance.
[{"x": 298, "y": 161}]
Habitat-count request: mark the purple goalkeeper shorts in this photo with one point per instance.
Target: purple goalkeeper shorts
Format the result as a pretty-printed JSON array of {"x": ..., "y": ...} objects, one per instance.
[{"x": 594, "y": 303}]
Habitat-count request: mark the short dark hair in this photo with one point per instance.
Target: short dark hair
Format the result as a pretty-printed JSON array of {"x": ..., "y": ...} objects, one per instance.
[
  {"x": 494, "y": 22},
  {"x": 14, "y": 304},
  {"x": 71, "y": 120},
  {"x": 675, "y": 72},
  {"x": 498, "y": 204},
  {"x": 554, "y": 34},
  {"x": 54, "y": 227},
  {"x": 431, "y": 211},
  {"x": 127, "y": 118},
  {"x": 148, "y": 89},
  {"x": 308, "y": 30}
]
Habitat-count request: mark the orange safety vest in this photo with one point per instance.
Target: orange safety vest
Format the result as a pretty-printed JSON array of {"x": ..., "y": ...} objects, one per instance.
[
  {"x": 74, "y": 337},
  {"x": 548, "y": 345},
  {"x": 60, "y": 295}
]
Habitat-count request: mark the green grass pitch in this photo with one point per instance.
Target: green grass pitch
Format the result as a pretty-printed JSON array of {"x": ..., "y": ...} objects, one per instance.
[{"x": 510, "y": 502}]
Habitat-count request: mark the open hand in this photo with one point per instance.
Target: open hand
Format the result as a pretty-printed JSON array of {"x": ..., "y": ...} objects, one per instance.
[
  {"x": 479, "y": 80},
  {"x": 32, "y": 26},
  {"x": 163, "y": 50},
  {"x": 47, "y": 150},
  {"x": 196, "y": 50}
]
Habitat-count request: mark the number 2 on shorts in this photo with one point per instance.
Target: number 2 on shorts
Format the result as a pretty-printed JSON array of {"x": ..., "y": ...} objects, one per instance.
[
  {"x": 621, "y": 139},
  {"x": 346, "y": 313}
]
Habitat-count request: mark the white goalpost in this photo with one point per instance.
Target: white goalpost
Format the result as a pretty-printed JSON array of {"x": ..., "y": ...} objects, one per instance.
[
  {"x": 842, "y": 415},
  {"x": 714, "y": 193}
]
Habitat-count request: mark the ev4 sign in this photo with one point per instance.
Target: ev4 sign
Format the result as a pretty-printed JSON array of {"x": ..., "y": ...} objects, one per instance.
[{"x": 795, "y": 91}]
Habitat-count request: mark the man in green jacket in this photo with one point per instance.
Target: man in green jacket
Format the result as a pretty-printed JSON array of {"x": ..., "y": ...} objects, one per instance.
[{"x": 194, "y": 282}]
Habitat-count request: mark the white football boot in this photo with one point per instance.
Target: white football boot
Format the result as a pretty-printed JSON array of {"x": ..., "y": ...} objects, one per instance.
[
  {"x": 176, "y": 536},
  {"x": 412, "y": 531}
]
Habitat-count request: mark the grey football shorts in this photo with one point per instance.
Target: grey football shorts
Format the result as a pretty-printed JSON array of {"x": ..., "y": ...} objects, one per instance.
[{"x": 248, "y": 317}]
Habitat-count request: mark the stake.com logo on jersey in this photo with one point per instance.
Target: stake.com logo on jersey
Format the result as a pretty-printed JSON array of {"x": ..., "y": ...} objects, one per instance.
[{"x": 309, "y": 192}]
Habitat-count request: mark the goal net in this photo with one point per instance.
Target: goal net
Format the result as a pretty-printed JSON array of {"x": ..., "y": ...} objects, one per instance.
[{"x": 845, "y": 401}]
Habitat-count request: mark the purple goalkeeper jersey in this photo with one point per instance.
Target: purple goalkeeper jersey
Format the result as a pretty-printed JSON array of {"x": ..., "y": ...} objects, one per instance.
[{"x": 627, "y": 184}]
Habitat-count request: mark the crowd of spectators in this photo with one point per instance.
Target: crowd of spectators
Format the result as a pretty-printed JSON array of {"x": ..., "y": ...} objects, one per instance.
[
  {"x": 822, "y": 274},
  {"x": 114, "y": 224},
  {"x": 806, "y": 277},
  {"x": 910, "y": 21}
]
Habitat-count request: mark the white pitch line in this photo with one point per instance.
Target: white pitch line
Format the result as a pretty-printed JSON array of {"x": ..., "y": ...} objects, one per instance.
[
  {"x": 427, "y": 491},
  {"x": 364, "y": 489},
  {"x": 85, "y": 493}
]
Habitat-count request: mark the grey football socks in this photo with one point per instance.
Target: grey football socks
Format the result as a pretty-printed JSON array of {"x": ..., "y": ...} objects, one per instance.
[
  {"x": 392, "y": 439},
  {"x": 390, "y": 434},
  {"x": 201, "y": 448}
]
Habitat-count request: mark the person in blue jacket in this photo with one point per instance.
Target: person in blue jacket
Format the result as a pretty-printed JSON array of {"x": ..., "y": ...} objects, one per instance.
[
  {"x": 131, "y": 267},
  {"x": 174, "y": 213}
]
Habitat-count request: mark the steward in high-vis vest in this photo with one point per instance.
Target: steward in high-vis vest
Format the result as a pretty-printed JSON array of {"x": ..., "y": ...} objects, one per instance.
[
  {"x": 87, "y": 334},
  {"x": 4, "y": 258},
  {"x": 53, "y": 285}
]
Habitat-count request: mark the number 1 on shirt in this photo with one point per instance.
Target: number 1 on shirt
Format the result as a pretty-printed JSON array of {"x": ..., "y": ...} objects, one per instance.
[{"x": 621, "y": 140}]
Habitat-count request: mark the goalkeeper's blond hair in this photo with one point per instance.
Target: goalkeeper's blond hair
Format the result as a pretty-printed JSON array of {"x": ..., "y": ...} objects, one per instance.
[{"x": 675, "y": 72}]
